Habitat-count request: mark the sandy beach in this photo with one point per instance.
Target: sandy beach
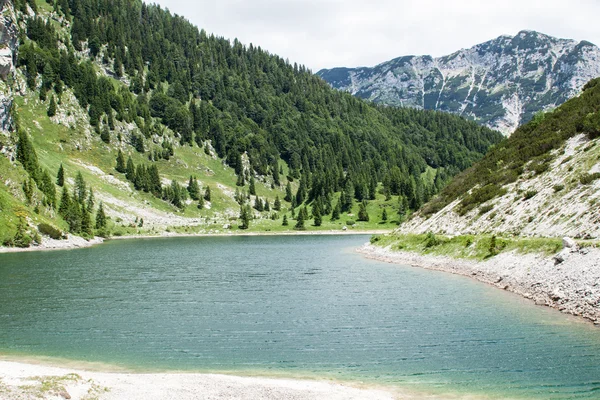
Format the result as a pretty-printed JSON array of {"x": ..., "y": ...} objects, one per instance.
[{"x": 34, "y": 381}]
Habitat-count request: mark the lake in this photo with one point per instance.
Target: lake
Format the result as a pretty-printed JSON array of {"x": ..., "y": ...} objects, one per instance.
[{"x": 295, "y": 306}]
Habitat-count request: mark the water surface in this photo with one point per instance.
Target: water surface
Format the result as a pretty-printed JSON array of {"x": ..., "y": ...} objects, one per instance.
[{"x": 290, "y": 305}]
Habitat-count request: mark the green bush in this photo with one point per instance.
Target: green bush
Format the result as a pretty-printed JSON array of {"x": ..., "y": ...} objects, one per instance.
[
  {"x": 479, "y": 196},
  {"x": 558, "y": 188},
  {"x": 529, "y": 194},
  {"x": 350, "y": 222},
  {"x": 586, "y": 179},
  {"x": 431, "y": 240},
  {"x": 51, "y": 231},
  {"x": 486, "y": 209}
]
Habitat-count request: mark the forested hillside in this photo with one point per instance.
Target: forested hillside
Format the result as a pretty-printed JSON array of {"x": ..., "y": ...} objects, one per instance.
[{"x": 103, "y": 80}]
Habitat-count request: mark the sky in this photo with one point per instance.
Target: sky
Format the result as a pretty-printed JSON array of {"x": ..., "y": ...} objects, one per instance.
[{"x": 353, "y": 33}]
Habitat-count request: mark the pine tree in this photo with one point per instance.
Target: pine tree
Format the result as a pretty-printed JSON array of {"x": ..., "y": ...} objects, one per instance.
[
  {"x": 316, "y": 211},
  {"x": 176, "y": 195},
  {"x": 363, "y": 215},
  {"x": 347, "y": 197},
  {"x": 105, "y": 135},
  {"x": 245, "y": 214},
  {"x": 300, "y": 221},
  {"x": 267, "y": 206},
  {"x": 130, "y": 171},
  {"x": 80, "y": 188},
  {"x": 65, "y": 203},
  {"x": 60, "y": 176},
  {"x": 335, "y": 213},
  {"x": 86, "y": 221},
  {"x": 48, "y": 188},
  {"x": 52, "y": 107},
  {"x": 275, "y": 172},
  {"x": 384, "y": 216},
  {"x": 200, "y": 203},
  {"x": 277, "y": 204},
  {"x": 100, "y": 217},
  {"x": 193, "y": 188},
  {"x": 285, "y": 220},
  {"x": 90, "y": 200},
  {"x": 258, "y": 204},
  {"x": 240, "y": 180},
  {"x": 74, "y": 217},
  {"x": 288, "y": 193},
  {"x": 207, "y": 194},
  {"x": 26, "y": 155},
  {"x": 28, "y": 189},
  {"x": 252, "y": 189},
  {"x": 120, "y": 163},
  {"x": 402, "y": 207}
]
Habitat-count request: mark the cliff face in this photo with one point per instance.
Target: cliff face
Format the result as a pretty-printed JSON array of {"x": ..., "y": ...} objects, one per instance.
[
  {"x": 501, "y": 83},
  {"x": 8, "y": 53}
]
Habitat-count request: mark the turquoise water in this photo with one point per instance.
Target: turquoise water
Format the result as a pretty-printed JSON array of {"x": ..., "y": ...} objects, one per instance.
[{"x": 290, "y": 305}]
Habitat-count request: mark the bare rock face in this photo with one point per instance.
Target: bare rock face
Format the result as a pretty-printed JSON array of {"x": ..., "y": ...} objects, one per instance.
[
  {"x": 8, "y": 39},
  {"x": 8, "y": 54},
  {"x": 501, "y": 83}
]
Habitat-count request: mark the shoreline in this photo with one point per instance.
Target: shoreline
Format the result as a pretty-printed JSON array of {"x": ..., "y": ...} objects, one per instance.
[
  {"x": 572, "y": 286},
  {"x": 28, "y": 379},
  {"x": 77, "y": 242}
]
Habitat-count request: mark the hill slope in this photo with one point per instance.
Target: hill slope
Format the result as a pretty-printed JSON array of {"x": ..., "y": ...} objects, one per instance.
[
  {"x": 501, "y": 83},
  {"x": 544, "y": 180},
  {"x": 87, "y": 84}
]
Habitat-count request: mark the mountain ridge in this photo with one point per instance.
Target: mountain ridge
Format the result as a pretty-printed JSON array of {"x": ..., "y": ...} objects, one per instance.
[{"x": 500, "y": 83}]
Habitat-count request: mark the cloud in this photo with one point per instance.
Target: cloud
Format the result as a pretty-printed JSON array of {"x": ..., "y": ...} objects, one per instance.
[{"x": 329, "y": 33}]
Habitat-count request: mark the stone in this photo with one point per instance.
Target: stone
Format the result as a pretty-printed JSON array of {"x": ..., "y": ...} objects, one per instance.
[
  {"x": 569, "y": 243},
  {"x": 64, "y": 394}
]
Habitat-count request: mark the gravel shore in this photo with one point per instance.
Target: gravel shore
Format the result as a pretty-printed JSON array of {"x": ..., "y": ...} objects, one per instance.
[
  {"x": 33, "y": 381},
  {"x": 72, "y": 242},
  {"x": 568, "y": 281}
]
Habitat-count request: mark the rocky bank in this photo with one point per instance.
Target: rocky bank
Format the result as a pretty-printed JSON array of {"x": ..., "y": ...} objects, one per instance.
[{"x": 568, "y": 281}]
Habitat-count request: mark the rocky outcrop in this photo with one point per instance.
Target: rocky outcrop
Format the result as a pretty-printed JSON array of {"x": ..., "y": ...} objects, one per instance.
[
  {"x": 8, "y": 53},
  {"x": 501, "y": 83},
  {"x": 8, "y": 39},
  {"x": 572, "y": 286}
]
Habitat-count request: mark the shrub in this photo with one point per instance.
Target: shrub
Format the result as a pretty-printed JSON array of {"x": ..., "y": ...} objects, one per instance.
[
  {"x": 529, "y": 194},
  {"x": 350, "y": 222},
  {"x": 485, "y": 209},
  {"x": 479, "y": 196},
  {"x": 51, "y": 231},
  {"x": 558, "y": 188},
  {"x": 586, "y": 179},
  {"x": 431, "y": 240}
]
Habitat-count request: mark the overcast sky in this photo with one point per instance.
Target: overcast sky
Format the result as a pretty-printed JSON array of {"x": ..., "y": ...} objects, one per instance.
[{"x": 351, "y": 33}]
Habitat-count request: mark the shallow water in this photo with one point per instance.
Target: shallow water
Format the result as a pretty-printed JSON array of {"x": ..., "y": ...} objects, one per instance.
[{"x": 294, "y": 306}]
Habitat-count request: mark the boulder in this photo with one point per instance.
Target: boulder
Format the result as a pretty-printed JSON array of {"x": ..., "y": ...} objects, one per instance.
[
  {"x": 569, "y": 243},
  {"x": 64, "y": 394}
]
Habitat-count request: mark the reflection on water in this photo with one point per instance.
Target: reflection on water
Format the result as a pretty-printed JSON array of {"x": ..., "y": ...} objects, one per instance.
[{"x": 298, "y": 306}]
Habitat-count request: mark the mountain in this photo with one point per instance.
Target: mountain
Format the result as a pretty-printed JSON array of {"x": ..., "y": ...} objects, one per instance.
[
  {"x": 544, "y": 180},
  {"x": 501, "y": 83},
  {"x": 122, "y": 104}
]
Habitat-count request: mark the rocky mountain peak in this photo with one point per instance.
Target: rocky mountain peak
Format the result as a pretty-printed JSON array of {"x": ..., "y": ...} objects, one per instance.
[{"x": 500, "y": 83}]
